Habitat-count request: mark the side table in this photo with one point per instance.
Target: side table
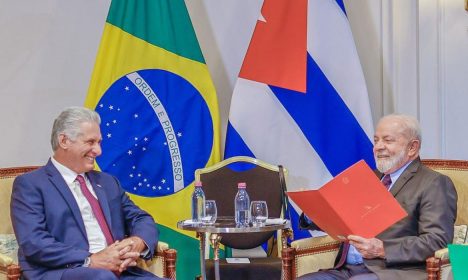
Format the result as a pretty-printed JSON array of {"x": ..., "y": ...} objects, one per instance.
[{"x": 226, "y": 225}]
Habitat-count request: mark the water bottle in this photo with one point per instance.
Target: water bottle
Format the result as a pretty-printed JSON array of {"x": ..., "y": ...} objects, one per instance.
[
  {"x": 242, "y": 204},
  {"x": 198, "y": 203}
]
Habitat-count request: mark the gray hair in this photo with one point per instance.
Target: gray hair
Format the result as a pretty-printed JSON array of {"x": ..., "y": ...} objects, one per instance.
[
  {"x": 410, "y": 125},
  {"x": 69, "y": 121}
]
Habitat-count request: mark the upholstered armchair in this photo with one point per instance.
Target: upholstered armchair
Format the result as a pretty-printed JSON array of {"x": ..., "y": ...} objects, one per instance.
[
  {"x": 163, "y": 264},
  {"x": 438, "y": 266},
  {"x": 311, "y": 254}
]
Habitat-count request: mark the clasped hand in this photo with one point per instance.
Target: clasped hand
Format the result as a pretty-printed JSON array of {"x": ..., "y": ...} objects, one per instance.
[
  {"x": 119, "y": 256},
  {"x": 369, "y": 248}
]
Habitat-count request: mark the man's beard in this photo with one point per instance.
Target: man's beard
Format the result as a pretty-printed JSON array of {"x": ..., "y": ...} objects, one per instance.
[{"x": 386, "y": 164}]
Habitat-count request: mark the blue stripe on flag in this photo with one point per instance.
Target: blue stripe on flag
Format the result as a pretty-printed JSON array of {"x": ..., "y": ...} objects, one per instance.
[
  {"x": 327, "y": 122},
  {"x": 236, "y": 145},
  {"x": 342, "y": 6},
  {"x": 298, "y": 234}
]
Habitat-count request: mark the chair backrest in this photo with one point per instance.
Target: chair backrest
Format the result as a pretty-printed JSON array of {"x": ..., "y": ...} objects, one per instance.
[
  {"x": 457, "y": 170},
  {"x": 263, "y": 183},
  {"x": 7, "y": 176}
]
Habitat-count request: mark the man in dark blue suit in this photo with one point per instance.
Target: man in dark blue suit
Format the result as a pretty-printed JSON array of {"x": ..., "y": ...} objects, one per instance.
[{"x": 72, "y": 222}]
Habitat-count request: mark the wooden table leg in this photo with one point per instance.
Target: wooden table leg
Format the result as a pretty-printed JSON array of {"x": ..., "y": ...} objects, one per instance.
[
  {"x": 215, "y": 238},
  {"x": 201, "y": 236}
]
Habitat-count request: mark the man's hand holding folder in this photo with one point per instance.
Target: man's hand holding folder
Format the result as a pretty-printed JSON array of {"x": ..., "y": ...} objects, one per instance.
[
  {"x": 369, "y": 248},
  {"x": 353, "y": 203}
]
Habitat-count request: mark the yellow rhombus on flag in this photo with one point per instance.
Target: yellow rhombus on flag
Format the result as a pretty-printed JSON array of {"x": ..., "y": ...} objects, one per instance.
[{"x": 159, "y": 112}]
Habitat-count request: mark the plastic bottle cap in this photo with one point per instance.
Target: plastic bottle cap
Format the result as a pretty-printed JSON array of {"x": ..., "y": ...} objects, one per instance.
[
  {"x": 242, "y": 185},
  {"x": 198, "y": 184}
]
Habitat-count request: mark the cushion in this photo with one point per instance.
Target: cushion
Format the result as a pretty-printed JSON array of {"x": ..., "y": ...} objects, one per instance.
[
  {"x": 459, "y": 234},
  {"x": 9, "y": 246},
  {"x": 459, "y": 237},
  {"x": 5, "y": 195},
  {"x": 460, "y": 180}
]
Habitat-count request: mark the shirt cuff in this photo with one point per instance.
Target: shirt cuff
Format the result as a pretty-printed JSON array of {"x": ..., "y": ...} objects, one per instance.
[{"x": 145, "y": 253}]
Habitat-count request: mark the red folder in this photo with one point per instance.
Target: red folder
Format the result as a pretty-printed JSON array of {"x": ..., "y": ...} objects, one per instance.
[{"x": 354, "y": 202}]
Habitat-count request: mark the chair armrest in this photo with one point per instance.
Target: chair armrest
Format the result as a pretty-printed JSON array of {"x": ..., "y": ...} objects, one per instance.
[
  {"x": 163, "y": 264},
  {"x": 439, "y": 267},
  {"x": 318, "y": 243},
  {"x": 8, "y": 268},
  {"x": 442, "y": 254},
  {"x": 5, "y": 260},
  {"x": 309, "y": 255},
  {"x": 161, "y": 247}
]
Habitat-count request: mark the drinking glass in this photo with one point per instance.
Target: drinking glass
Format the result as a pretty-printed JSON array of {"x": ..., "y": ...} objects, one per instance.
[
  {"x": 211, "y": 213},
  {"x": 259, "y": 212}
]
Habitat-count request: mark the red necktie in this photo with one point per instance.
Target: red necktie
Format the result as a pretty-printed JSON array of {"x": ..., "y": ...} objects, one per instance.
[
  {"x": 387, "y": 181},
  {"x": 94, "y": 203}
]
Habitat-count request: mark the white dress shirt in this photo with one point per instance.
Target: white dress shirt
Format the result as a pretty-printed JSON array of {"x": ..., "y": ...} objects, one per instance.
[{"x": 96, "y": 239}]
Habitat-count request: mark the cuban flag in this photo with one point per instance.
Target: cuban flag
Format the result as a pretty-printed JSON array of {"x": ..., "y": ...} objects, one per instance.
[{"x": 301, "y": 99}]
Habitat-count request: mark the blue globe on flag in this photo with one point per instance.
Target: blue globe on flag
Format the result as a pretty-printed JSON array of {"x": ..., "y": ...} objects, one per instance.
[{"x": 152, "y": 138}]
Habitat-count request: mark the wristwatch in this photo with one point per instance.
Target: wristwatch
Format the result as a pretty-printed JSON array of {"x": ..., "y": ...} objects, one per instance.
[{"x": 87, "y": 262}]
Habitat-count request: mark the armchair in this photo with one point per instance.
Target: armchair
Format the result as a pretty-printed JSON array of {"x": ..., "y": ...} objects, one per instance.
[
  {"x": 163, "y": 264},
  {"x": 311, "y": 254},
  {"x": 438, "y": 266}
]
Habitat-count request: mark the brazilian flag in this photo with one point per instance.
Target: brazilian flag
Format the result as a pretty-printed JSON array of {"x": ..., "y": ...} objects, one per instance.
[{"x": 159, "y": 112}]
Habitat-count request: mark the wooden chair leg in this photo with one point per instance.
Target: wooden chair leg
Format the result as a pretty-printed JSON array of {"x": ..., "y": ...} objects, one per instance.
[
  {"x": 13, "y": 272},
  {"x": 287, "y": 256},
  {"x": 433, "y": 268},
  {"x": 171, "y": 256}
]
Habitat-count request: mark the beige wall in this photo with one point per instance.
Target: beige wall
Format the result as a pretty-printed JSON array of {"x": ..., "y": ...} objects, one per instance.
[
  {"x": 415, "y": 60},
  {"x": 413, "y": 55}
]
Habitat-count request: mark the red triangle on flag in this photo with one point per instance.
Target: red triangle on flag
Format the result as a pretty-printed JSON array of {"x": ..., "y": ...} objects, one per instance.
[{"x": 277, "y": 54}]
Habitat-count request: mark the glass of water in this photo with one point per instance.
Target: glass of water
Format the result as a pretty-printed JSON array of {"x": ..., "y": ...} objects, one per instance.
[
  {"x": 211, "y": 212},
  {"x": 258, "y": 212}
]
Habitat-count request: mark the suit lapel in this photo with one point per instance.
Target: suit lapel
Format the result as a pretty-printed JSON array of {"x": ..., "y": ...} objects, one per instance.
[
  {"x": 405, "y": 176},
  {"x": 57, "y": 180},
  {"x": 102, "y": 198}
]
